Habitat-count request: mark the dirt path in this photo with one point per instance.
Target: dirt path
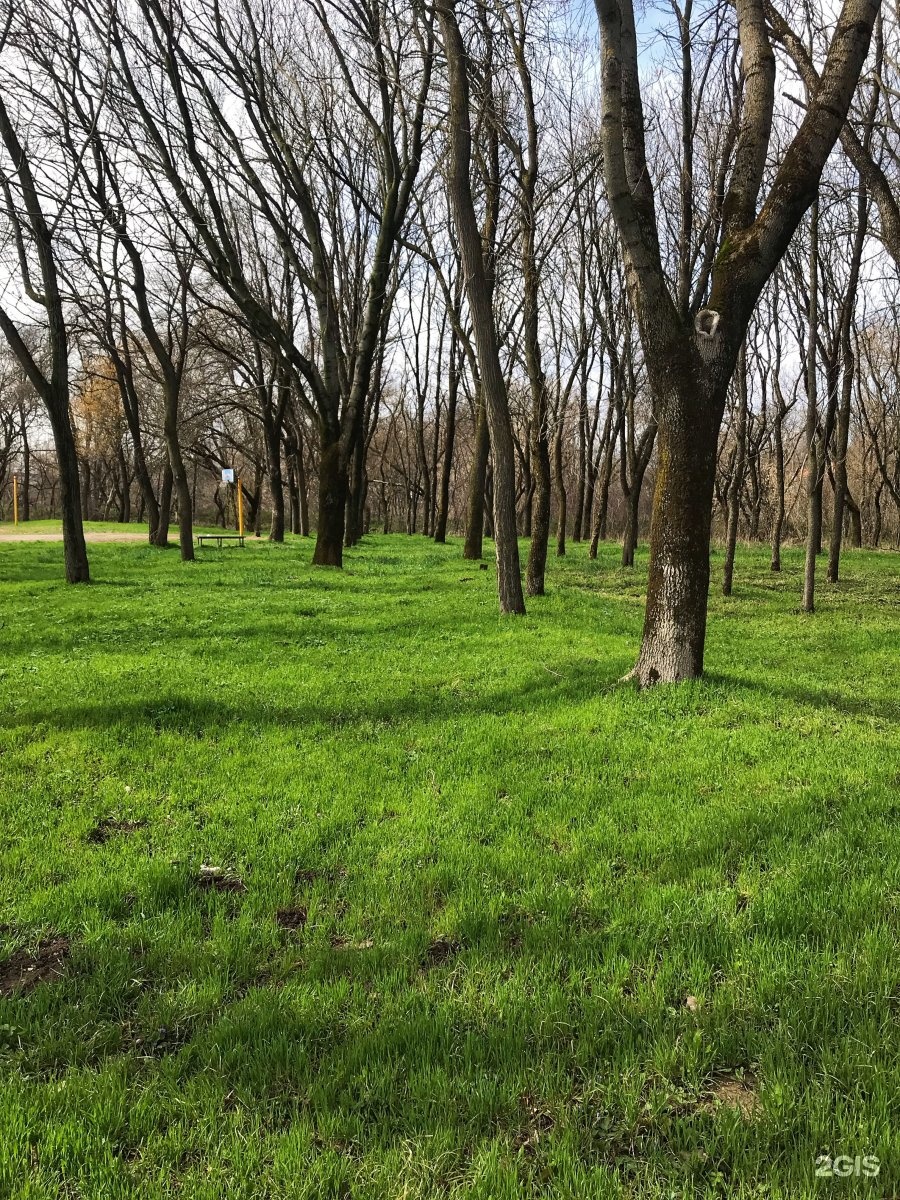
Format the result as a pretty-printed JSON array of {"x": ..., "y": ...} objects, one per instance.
[{"x": 90, "y": 535}]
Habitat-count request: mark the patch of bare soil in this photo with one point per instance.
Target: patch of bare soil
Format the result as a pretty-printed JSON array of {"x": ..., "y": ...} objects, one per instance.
[
  {"x": 108, "y": 826},
  {"x": 291, "y": 918},
  {"x": 737, "y": 1092},
  {"x": 25, "y": 969},
  {"x": 440, "y": 951}
]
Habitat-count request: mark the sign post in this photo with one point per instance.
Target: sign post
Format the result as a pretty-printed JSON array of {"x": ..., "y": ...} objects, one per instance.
[{"x": 228, "y": 477}]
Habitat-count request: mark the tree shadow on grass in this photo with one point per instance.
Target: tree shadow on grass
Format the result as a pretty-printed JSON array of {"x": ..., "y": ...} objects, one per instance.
[{"x": 884, "y": 707}]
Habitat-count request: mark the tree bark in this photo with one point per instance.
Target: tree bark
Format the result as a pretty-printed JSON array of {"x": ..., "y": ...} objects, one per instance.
[
  {"x": 443, "y": 508},
  {"x": 737, "y": 479},
  {"x": 332, "y": 506},
  {"x": 674, "y": 635},
  {"x": 474, "y": 548}
]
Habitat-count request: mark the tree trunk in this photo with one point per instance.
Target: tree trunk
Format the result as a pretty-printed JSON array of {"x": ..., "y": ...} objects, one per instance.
[
  {"x": 540, "y": 509},
  {"x": 778, "y": 526},
  {"x": 814, "y": 454},
  {"x": 74, "y": 548},
  {"x": 272, "y": 433},
  {"x": 737, "y": 477},
  {"x": 678, "y": 584},
  {"x": 560, "y": 483},
  {"x": 479, "y": 293},
  {"x": 165, "y": 507},
  {"x": 25, "y": 505},
  {"x": 443, "y": 508},
  {"x": 473, "y": 547},
  {"x": 332, "y": 506},
  {"x": 629, "y": 543},
  {"x": 182, "y": 492}
]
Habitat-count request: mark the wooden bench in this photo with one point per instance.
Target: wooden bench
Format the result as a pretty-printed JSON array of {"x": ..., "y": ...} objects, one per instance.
[{"x": 219, "y": 538}]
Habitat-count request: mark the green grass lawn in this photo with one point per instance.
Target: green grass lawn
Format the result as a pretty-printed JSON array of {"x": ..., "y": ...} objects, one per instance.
[{"x": 495, "y": 925}]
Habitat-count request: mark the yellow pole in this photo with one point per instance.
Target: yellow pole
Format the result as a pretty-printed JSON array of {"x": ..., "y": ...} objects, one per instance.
[
  {"x": 240, "y": 500},
  {"x": 15, "y": 499}
]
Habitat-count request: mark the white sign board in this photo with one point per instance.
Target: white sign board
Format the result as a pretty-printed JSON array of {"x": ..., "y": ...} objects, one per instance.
[{"x": 228, "y": 474}]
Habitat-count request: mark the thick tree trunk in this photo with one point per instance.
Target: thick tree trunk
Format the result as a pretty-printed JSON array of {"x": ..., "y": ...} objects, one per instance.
[
  {"x": 332, "y": 506},
  {"x": 474, "y": 544},
  {"x": 678, "y": 584}
]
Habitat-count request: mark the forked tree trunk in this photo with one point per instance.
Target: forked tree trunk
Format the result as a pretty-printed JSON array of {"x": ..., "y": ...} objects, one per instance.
[
  {"x": 479, "y": 294},
  {"x": 689, "y": 369}
]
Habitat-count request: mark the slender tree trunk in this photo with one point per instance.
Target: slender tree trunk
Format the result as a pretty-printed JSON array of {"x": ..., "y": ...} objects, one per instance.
[
  {"x": 25, "y": 506},
  {"x": 292, "y": 489},
  {"x": 302, "y": 488},
  {"x": 737, "y": 479},
  {"x": 74, "y": 548},
  {"x": 560, "y": 483},
  {"x": 165, "y": 507},
  {"x": 473, "y": 547},
  {"x": 632, "y": 513},
  {"x": 876, "y": 524},
  {"x": 540, "y": 510},
  {"x": 814, "y": 455},
  {"x": 582, "y": 469},
  {"x": 182, "y": 491},
  {"x": 778, "y": 527},
  {"x": 443, "y": 508},
  {"x": 842, "y": 431},
  {"x": 272, "y": 434}
]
